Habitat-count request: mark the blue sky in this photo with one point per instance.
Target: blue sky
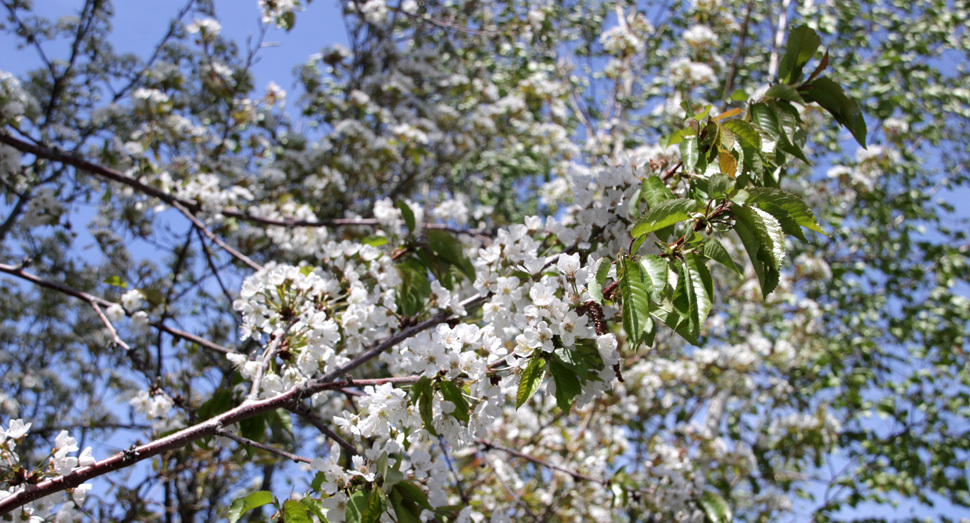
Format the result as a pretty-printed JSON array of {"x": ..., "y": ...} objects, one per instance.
[{"x": 139, "y": 25}]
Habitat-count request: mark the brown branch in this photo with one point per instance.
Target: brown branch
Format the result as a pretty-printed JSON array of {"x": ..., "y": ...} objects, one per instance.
[
  {"x": 211, "y": 426},
  {"x": 262, "y": 446},
  {"x": 305, "y": 412},
  {"x": 57, "y": 155},
  {"x": 209, "y": 234},
  {"x": 94, "y": 300},
  {"x": 736, "y": 61},
  {"x": 111, "y": 329},
  {"x": 487, "y": 445}
]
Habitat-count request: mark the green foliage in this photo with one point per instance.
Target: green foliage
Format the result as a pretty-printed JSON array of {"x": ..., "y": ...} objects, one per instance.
[{"x": 249, "y": 502}]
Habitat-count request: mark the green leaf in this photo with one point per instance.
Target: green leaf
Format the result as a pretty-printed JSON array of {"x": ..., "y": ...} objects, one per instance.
[
  {"x": 315, "y": 508},
  {"x": 769, "y": 199},
  {"x": 767, "y": 230},
  {"x": 789, "y": 122},
  {"x": 243, "y": 505},
  {"x": 833, "y": 99},
  {"x": 116, "y": 281},
  {"x": 595, "y": 284},
  {"x": 714, "y": 250},
  {"x": 407, "y": 214},
  {"x": 287, "y": 20},
  {"x": 636, "y": 302},
  {"x": 356, "y": 505},
  {"x": 676, "y": 137},
  {"x": 654, "y": 191},
  {"x": 448, "y": 248},
  {"x": 374, "y": 241},
  {"x": 567, "y": 384},
  {"x": 746, "y": 134},
  {"x": 785, "y": 92},
  {"x": 530, "y": 380},
  {"x": 452, "y": 393},
  {"x": 767, "y": 275},
  {"x": 689, "y": 153},
  {"x": 695, "y": 291},
  {"x": 663, "y": 214},
  {"x": 720, "y": 184},
  {"x": 405, "y": 510},
  {"x": 654, "y": 275},
  {"x": 412, "y": 492},
  {"x": 415, "y": 288},
  {"x": 295, "y": 512},
  {"x": 802, "y": 44},
  {"x": 767, "y": 120},
  {"x": 715, "y": 508},
  {"x": 375, "y": 507}
]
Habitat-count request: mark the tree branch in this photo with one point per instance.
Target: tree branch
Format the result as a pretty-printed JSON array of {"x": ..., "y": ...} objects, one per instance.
[
  {"x": 250, "y": 443},
  {"x": 94, "y": 300},
  {"x": 210, "y": 427},
  {"x": 57, "y": 155}
]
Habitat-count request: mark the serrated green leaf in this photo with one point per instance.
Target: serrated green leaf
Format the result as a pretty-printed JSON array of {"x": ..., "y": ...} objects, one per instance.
[
  {"x": 767, "y": 120},
  {"x": 530, "y": 380},
  {"x": 243, "y": 505},
  {"x": 654, "y": 191},
  {"x": 664, "y": 214},
  {"x": 295, "y": 512},
  {"x": 690, "y": 153},
  {"x": 407, "y": 214},
  {"x": 693, "y": 298},
  {"x": 789, "y": 123},
  {"x": 636, "y": 301},
  {"x": 315, "y": 508},
  {"x": 452, "y": 393},
  {"x": 767, "y": 230},
  {"x": 785, "y": 92},
  {"x": 768, "y": 198},
  {"x": 654, "y": 275},
  {"x": 747, "y": 134},
  {"x": 598, "y": 279},
  {"x": 714, "y": 250},
  {"x": 720, "y": 184},
  {"x": 767, "y": 275},
  {"x": 715, "y": 508},
  {"x": 802, "y": 44},
  {"x": 833, "y": 99},
  {"x": 567, "y": 384}
]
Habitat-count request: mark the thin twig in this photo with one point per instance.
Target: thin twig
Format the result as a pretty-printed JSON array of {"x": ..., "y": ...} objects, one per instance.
[
  {"x": 111, "y": 329},
  {"x": 305, "y": 412},
  {"x": 250, "y": 443},
  {"x": 70, "y": 291},
  {"x": 209, "y": 234},
  {"x": 487, "y": 445},
  {"x": 57, "y": 155},
  {"x": 209, "y": 427},
  {"x": 511, "y": 492}
]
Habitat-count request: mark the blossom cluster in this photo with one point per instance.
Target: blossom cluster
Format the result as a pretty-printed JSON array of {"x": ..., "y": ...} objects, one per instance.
[{"x": 59, "y": 462}]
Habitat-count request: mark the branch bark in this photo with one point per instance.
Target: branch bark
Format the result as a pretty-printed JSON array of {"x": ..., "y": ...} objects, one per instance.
[{"x": 248, "y": 409}]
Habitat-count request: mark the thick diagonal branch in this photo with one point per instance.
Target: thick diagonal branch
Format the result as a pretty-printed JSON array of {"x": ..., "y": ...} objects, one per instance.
[{"x": 288, "y": 400}]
